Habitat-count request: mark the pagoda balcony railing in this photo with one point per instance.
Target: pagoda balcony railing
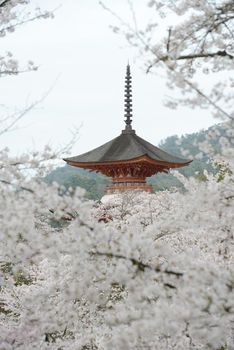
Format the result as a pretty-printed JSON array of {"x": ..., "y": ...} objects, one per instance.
[{"x": 128, "y": 186}]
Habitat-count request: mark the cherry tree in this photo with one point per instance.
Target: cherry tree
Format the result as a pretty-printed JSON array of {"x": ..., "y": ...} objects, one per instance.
[
  {"x": 15, "y": 13},
  {"x": 190, "y": 41},
  {"x": 158, "y": 274},
  {"x": 139, "y": 281}
]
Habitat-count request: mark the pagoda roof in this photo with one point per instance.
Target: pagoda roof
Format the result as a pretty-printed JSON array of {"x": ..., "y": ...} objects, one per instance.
[{"x": 126, "y": 146}]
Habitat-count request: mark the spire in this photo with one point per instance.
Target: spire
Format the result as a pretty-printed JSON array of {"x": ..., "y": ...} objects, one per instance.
[{"x": 128, "y": 99}]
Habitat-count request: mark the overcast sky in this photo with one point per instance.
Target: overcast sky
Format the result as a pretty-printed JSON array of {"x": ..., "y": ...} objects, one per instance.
[{"x": 85, "y": 63}]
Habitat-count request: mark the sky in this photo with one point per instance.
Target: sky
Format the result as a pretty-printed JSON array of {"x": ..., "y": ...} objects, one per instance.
[{"x": 82, "y": 64}]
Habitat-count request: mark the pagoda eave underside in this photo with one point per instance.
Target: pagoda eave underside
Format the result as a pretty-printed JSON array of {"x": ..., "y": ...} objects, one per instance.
[{"x": 143, "y": 166}]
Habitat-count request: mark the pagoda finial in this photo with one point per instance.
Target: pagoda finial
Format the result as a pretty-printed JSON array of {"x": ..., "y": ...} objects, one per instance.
[{"x": 128, "y": 99}]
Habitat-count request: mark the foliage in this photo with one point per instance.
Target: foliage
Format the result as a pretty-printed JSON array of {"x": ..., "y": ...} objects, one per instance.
[{"x": 70, "y": 177}]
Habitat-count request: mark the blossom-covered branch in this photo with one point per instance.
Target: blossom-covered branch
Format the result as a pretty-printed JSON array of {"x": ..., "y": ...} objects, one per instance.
[{"x": 200, "y": 43}]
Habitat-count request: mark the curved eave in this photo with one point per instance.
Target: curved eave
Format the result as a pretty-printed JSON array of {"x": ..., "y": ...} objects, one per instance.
[{"x": 144, "y": 158}]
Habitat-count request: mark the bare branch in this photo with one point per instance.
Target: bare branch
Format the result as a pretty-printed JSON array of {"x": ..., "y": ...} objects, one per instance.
[
  {"x": 208, "y": 99},
  {"x": 13, "y": 72},
  {"x": 19, "y": 187},
  {"x": 67, "y": 147},
  {"x": 139, "y": 264},
  {"x": 4, "y": 3},
  {"x": 222, "y": 53},
  {"x": 168, "y": 40},
  {"x": 20, "y": 116},
  {"x": 25, "y": 111},
  {"x": 130, "y": 4}
]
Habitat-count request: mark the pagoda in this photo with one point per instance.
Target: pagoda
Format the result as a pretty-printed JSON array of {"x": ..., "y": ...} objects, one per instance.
[{"x": 127, "y": 159}]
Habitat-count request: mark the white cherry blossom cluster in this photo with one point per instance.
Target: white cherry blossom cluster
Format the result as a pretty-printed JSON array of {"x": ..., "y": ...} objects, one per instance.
[{"x": 158, "y": 274}]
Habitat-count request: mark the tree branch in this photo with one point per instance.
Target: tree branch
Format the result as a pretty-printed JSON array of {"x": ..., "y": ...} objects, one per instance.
[
  {"x": 20, "y": 187},
  {"x": 221, "y": 53},
  {"x": 208, "y": 99},
  {"x": 20, "y": 116},
  {"x": 169, "y": 39},
  {"x": 4, "y": 3},
  {"x": 24, "y": 112},
  {"x": 10, "y": 27},
  {"x": 139, "y": 264},
  {"x": 13, "y": 72}
]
